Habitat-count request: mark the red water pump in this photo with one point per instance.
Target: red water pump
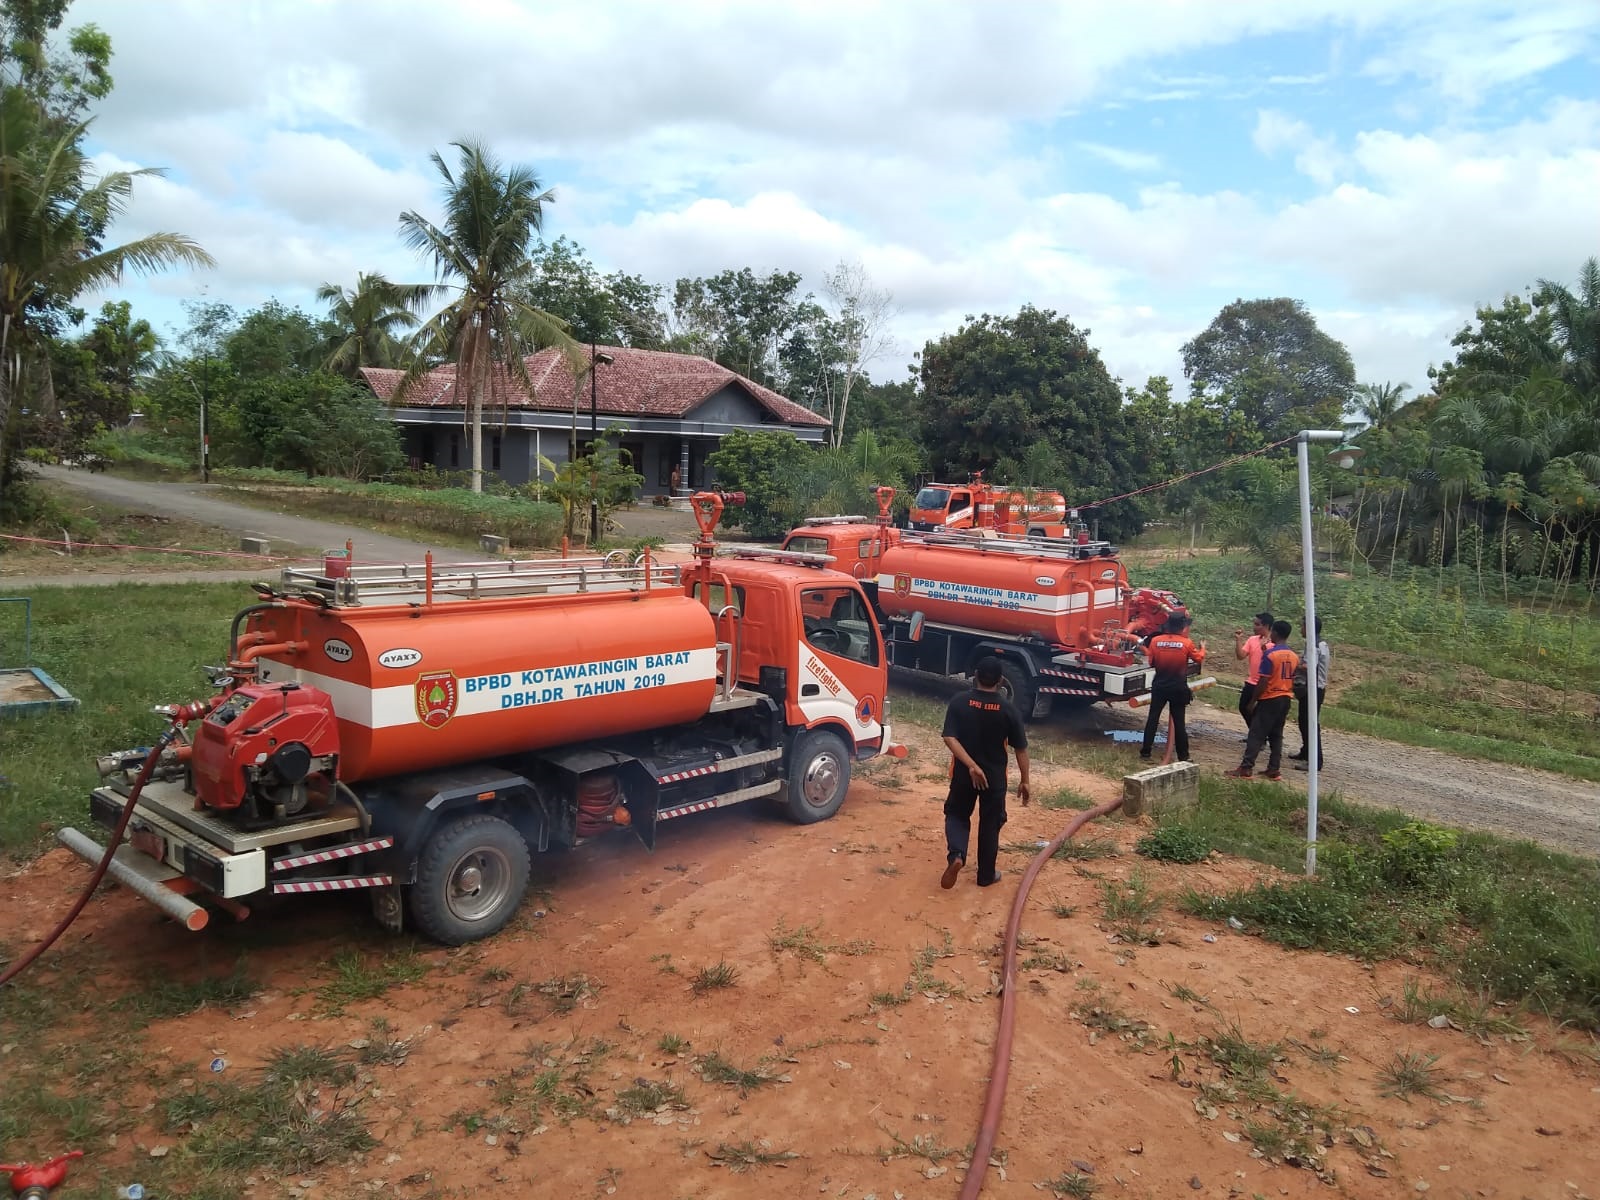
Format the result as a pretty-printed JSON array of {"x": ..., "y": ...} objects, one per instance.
[
  {"x": 267, "y": 752},
  {"x": 1148, "y": 609}
]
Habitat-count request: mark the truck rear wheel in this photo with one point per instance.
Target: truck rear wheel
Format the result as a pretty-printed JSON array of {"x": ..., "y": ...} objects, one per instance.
[
  {"x": 1017, "y": 687},
  {"x": 819, "y": 777},
  {"x": 471, "y": 878}
]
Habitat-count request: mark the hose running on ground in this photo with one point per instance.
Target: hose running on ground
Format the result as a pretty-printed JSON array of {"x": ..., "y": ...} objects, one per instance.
[
  {"x": 168, "y": 736},
  {"x": 1000, "y": 1071}
]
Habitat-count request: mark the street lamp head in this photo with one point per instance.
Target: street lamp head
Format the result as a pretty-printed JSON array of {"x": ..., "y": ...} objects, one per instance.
[
  {"x": 1322, "y": 435},
  {"x": 1346, "y": 457}
]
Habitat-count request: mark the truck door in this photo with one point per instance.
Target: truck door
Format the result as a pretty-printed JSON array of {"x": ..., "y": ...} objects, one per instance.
[
  {"x": 960, "y": 515},
  {"x": 840, "y": 675}
]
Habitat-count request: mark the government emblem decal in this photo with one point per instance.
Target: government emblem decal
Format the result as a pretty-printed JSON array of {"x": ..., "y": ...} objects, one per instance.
[{"x": 436, "y": 698}]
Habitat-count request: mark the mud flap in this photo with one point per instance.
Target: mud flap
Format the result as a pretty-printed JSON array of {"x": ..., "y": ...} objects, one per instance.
[{"x": 387, "y": 909}]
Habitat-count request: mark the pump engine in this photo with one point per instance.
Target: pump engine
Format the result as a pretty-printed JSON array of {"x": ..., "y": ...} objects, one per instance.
[{"x": 267, "y": 753}]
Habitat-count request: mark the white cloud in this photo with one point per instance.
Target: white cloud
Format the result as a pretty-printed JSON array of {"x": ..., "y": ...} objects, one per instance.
[{"x": 1117, "y": 156}]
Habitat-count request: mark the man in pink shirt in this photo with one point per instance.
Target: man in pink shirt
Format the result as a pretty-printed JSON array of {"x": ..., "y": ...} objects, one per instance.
[{"x": 1250, "y": 649}]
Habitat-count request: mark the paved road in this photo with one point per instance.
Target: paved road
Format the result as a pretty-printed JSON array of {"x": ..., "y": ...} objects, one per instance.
[{"x": 205, "y": 503}]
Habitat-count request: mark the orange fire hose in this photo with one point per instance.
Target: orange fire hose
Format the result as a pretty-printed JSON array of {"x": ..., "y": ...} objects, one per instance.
[{"x": 1000, "y": 1072}]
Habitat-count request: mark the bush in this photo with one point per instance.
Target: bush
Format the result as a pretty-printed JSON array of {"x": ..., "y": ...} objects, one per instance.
[
  {"x": 30, "y": 511},
  {"x": 1175, "y": 844},
  {"x": 762, "y": 465}
]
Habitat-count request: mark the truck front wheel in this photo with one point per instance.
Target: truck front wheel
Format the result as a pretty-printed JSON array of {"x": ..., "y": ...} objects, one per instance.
[
  {"x": 819, "y": 776},
  {"x": 1017, "y": 687},
  {"x": 471, "y": 877}
]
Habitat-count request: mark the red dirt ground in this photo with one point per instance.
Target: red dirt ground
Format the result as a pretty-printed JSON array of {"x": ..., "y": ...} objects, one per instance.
[{"x": 859, "y": 1079}]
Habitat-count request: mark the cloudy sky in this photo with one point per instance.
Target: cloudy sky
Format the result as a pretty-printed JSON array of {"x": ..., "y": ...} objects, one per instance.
[{"x": 1135, "y": 165}]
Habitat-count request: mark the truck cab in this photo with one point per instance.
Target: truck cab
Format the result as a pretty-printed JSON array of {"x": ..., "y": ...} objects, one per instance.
[{"x": 944, "y": 506}]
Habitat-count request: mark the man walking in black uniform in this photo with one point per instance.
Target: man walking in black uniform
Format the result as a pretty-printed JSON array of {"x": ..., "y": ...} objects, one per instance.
[{"x": 978, "y": 726}]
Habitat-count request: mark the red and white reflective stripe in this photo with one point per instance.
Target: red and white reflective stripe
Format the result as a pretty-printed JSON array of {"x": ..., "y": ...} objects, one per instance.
[
  {"x": 322, "y": 856},
  {"x": 333, "y": 885},
  {"x": 685, "y": 809},
  {"x": 678, "y": 775},
  {"x": 1080, "y": 676},
  {"x": 1065, "y": 691}
]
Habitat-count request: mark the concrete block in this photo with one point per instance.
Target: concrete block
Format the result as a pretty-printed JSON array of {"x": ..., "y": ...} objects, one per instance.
[
  {"x": 255, "y": 545},
  {"x": 492, "y": 543},
  {"x": 1156, "y": 789}
]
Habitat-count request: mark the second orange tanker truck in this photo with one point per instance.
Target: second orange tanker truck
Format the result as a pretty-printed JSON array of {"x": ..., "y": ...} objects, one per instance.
[
  {"x": 418, "y": 735},
  {"x": 1061, "y": 617}
]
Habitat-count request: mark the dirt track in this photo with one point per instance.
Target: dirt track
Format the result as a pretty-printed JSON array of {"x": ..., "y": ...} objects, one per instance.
[{"x": 864, "y": 1003}]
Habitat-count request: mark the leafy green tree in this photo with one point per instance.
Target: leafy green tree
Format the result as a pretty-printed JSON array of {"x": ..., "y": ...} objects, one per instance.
[
  {"x": 602, "y": 480},
  {"x": 1377, "y": 404},
  {"x": 609, "y": 310},
  {"x": 1262, "y": 515},
  {"x": 1268, "y": 360},
  {"x": 763, "y": 464},
  {"x": 125, "y": 349},
  {"x": 739, "y": 319},
  {"x": 1001, "y": 385},
  {"x": 52, "y": 206},
  {"x": 481, "y": 254},
  {"x": 1575, "y": 317},
  {"x": 882, "y": 407},
  {"x": 369, "y": 322}
]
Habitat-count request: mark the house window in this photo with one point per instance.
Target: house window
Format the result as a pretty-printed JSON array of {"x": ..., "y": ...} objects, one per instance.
[
  {"x": 494, "y": 452},
  {"x": 455, "y": 450}
]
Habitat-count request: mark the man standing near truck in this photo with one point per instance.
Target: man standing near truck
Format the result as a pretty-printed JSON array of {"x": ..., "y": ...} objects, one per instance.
[
  {"x": 1250, "y": 649},
  {"x": 1171, "y": 652},
  {"x": 978, "y": 726},
  {"x": 1273, "y": 695}
]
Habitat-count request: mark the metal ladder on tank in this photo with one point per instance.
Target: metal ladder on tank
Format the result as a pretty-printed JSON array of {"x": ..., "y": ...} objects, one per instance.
[{"x": 396, "y": 583}]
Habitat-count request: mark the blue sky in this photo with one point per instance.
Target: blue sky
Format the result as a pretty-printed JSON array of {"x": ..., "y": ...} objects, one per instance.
[{"x": 1135, "y": 166}]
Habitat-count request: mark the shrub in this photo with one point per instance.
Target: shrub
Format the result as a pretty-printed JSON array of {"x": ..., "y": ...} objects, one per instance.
[{"x": 1175, "y": 844}]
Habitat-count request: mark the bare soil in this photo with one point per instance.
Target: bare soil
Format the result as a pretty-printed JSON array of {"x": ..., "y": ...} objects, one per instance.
[{"x": 872, "y": 1097}]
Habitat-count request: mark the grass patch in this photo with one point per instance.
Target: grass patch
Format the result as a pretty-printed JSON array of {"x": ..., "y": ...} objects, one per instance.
[
  {"x": 161, "y": 998},
  {"x": 715, "y": 1068},
  {"x": 1071, "y": 1185},
  {"x": 807, "y": 943},
  {"x": 1512, "y": 921},
  {"x": 922, "y": 1145},
  {"x": 357, "y": 977},
  {"x": 651, "y": 1096},
  {"x": 672, "y": 1043},
  {"x": 720, "y": 974},
  {"x": 1129, "y": 908},
  {"x": 1174, "y": 844},
  {"x": 739, "y": 1157},
  {"x": 1066, "y": 797},
  {"x": 1074, "y": 850},
  {"x": 299, "y": 1113},
  {"x": 1419, "y": 1005},
  {"x": 119, "y": 649},
  {"x": 1411, "y": 1074},
  {"x": 566, "y": 992}
]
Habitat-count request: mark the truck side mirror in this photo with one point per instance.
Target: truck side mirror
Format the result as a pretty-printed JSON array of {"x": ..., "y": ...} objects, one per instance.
[{"x": 917, "y": 620}]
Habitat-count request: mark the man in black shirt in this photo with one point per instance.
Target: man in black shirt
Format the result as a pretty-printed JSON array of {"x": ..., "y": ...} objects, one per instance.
[{"x": 978, "y": 725}]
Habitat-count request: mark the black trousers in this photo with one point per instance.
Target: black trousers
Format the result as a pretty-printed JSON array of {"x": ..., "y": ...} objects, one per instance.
[
  {"x": 1178, "y": 696},
  {"x": 1305, "y": 740},
  {"x": 991, "y": 806},
  {"x": 1247, "y": 700},
  {"x": 1266, "y": 728}
]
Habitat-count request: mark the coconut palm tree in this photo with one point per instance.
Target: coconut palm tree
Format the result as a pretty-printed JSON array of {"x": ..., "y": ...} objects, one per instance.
[
  {"x": 368, "y": 318},
  {"x": 49, "y": 200},
  {"x": 1377, "y": 404},
  {"x": 481, "y": 255},
  {"x": 1577, "y": 325}
]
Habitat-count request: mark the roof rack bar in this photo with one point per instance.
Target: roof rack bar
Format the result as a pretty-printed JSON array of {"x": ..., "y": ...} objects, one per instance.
[{"x": 797, "y": 557}]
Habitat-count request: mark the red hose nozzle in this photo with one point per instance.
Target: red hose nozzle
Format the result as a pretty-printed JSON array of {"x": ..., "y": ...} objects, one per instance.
[{"x": 46, "y": 1175}]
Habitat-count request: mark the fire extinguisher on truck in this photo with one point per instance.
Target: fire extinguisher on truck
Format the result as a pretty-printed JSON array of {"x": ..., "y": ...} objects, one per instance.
[
  {"x": 1061, "y": 616},
  {"x": 419, "y": 733}
]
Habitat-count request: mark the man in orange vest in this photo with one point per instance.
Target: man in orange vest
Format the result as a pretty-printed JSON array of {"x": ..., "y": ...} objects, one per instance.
[
  {"x": 1273, "y": 695},
  {"x": 1171, "y": 652}
]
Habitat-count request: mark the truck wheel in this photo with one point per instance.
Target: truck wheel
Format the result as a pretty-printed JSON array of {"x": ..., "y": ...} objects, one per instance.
[
  {"x": 819, "y": 777},
  {"x": 471, "y": 877},
  {"x": 1017, "y": 687}
]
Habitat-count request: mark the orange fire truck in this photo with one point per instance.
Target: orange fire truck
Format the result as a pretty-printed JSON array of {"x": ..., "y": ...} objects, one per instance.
[
  {"x": 945, "y": 507},
  {"x": 1061, "y": 616},
  {"x": 418, "y": 732}
]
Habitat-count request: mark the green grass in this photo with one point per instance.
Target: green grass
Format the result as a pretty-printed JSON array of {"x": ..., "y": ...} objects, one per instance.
[
  {"x": 1409, "y": 1074},
  {"x": 358, "y": 977},
  {"x": 715, "y": 1068},
  {"x": 1174, "y": 844},
  {"x": 1511, "y": 920},
  {"x": 161, "y": 997},
  {"x": 1503, "y": 682},
  {"x": 119, "y": 650},
  {"x": 720, "y": 974}
]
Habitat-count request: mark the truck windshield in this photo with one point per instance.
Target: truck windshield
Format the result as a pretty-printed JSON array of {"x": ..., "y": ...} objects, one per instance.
[
  {"x": 837, "y": 622},
  {"x": 931, "y": 498},
  {"x": 806, "y": 544}
]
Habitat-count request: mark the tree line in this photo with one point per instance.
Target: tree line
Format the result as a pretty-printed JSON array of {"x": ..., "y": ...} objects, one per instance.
[{"x": 1492, "y": 469}]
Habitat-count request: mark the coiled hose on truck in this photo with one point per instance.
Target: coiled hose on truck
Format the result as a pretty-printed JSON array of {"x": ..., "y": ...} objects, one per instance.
[
  {"x": 1000, "y": 1071},
  {"x": 168, "y": 736}
]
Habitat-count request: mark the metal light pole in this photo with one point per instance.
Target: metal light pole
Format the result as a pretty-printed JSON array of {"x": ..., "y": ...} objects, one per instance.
[
  {"x": 1308, "y": 567},
  {"x": 205, "y": 438}
]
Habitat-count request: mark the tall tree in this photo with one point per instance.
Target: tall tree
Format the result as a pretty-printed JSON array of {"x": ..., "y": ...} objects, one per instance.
[
  {"x": 125, "y": 349},
  {"x": 1268, "y": 360},
  {"x": 857, "y": 335},
  {"x": 1576, "y": 318},
  {"x": 493, "y": 214},
  {"x": 741, "y": 320},
  {"x": 1377, "y": 404},
  {"x": 612, "y": 310},
  {"x": 999, "y": 385},
  {"x": 369, "y": 322}
]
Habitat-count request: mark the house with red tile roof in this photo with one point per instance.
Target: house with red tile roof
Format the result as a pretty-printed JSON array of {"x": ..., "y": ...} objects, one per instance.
[{"x": 674, "y": 409}]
